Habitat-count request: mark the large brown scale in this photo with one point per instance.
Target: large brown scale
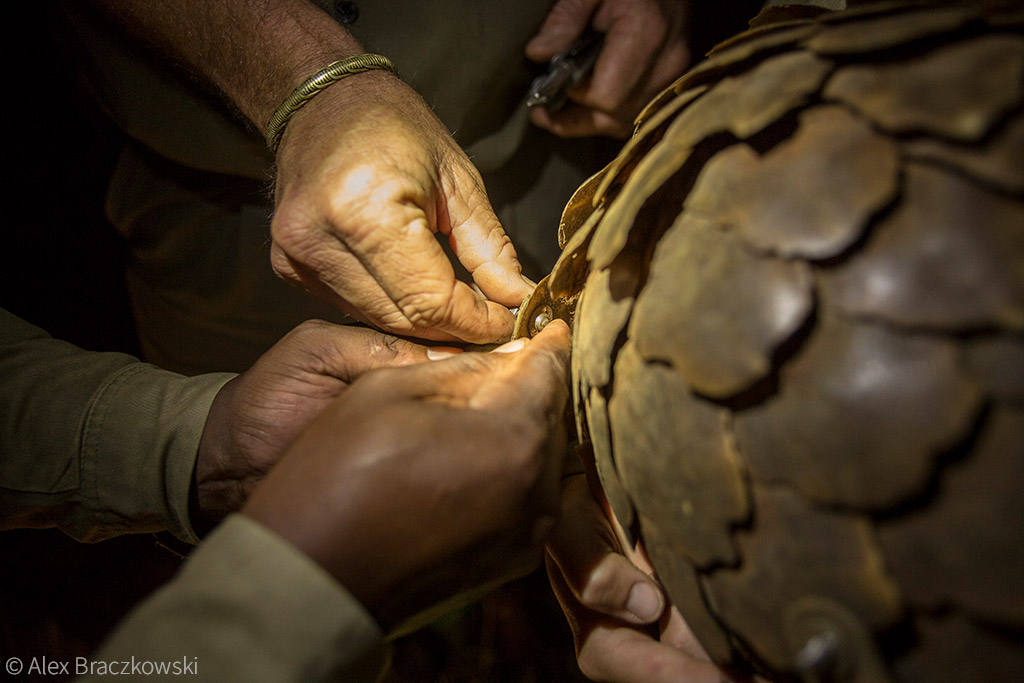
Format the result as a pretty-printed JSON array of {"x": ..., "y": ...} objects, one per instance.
[{"x": 799, "y": 342}]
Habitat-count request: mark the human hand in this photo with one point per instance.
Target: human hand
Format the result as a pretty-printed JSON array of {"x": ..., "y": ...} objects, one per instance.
[
  {"x": 644, "y": 49},
  {"x": 366, "y": 176},
  {"x": 421, "y": 483},
  {"x": 256, "y": 415},
  {"x": 611, "y": 603}
]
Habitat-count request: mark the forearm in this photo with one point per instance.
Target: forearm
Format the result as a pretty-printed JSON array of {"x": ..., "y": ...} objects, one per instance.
[
  {"x": 255, "y": 52},
  {"x": 96, "y": 444}
]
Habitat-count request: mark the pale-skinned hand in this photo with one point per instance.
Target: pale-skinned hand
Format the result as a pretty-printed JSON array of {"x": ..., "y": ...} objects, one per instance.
[
  {"x": 367, "y": 175},
  {"x": 256, "y": 415},
  {"x": 645, "y": 48},
  {"x": 422, "y": 483}
]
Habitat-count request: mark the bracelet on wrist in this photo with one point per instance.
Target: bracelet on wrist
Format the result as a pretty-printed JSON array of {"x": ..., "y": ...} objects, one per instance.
[{"x": 332, "y": 73}]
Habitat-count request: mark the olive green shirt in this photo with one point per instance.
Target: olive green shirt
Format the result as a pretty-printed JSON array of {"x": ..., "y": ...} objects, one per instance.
[
  {"x": 100, "y": 444},
  {"x": 248, "y": 607}
]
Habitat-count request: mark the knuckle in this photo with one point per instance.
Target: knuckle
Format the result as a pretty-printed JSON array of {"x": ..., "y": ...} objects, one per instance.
[
  {"x": 286, "y": 229},
  {"x": 281, "y": 267},
  {"x": 367, "y": 201},
  {"x": 601, "y": 589},
  {"x": 307, "y": 335},
  {"x": 384, "y": 347},
  {"x": 427, "y": 309},
  {"x": 395, "y": 322},
  {"x": 313, "y": 327}
]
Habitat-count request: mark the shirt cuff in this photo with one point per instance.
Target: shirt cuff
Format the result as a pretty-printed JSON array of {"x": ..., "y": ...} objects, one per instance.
[
  {"x": 139, "y": 442},
  {"x": 97, "y": 444},
  {"x": 248, "y": 606}
]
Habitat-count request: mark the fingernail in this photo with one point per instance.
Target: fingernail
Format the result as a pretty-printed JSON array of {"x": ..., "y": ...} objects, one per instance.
[
  {"x": 528, "y": 281},
  {"x": 511, "y": 347},
  {"x": 644, "y": 602},
  {"x": 441, "y": 352}
]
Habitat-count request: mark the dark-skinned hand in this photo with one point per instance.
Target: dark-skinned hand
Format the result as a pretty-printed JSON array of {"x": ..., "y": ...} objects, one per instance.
[
  {"x": 256, "y": 415},
  {"x": 624, "y": 629},
  {"x": 367, "y": 177},
  {"x": 421, "y": 483},
  {"x": 645, "y": 48}
]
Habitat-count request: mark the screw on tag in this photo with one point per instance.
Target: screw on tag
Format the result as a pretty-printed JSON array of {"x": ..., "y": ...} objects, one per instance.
[{"x": 541, "y": 320}]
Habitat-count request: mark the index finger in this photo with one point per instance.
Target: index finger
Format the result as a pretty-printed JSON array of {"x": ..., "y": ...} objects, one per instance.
[
  {"x": 426, "y": 299},
  {"x": 347, "y": 351},
  {"x": 479, "y": 241}
]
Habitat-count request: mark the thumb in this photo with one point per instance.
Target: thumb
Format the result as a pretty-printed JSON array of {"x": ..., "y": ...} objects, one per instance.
[
  {"x": 535, "y": 380},
  {"x": 614, "y": 586},
  {"x": 566, "y": 22},
  {"x": 586, "y": 554}
]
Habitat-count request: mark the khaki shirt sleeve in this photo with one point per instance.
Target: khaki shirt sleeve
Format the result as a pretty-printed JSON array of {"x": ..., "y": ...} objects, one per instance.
[
  {"x": 96, "y": 444},
  {"x": 246, "y": 606}
]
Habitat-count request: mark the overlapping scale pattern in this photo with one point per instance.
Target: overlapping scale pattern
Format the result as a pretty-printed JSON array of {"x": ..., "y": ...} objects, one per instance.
[{"x": 799, "y": 343}]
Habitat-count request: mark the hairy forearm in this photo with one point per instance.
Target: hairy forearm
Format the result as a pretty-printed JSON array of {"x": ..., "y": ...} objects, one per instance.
[{"x": 253, "y": 51}]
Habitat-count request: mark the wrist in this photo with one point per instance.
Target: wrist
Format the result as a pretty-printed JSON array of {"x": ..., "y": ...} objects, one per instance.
[
  {"x": 348, "y": 113},
  {"x": 317, "y": 83},
  {"x": 214, "y": 493}
]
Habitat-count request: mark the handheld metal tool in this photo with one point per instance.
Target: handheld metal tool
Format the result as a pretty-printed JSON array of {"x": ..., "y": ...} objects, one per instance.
[{"x": 565, "y": 71}]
